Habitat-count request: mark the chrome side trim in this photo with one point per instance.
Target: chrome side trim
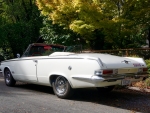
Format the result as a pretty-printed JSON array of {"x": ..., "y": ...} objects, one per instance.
[
  {"x": 110, "y": 78},
  {"x": 99, "y": 79},
  {"x": 37, "y": 58},
  {"x": 100, "y": 62},
  {"x": 82, "y": 78}
]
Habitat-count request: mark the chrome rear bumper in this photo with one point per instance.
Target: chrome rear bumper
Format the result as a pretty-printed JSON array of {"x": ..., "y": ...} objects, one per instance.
[{"x": 112, "y": 77}]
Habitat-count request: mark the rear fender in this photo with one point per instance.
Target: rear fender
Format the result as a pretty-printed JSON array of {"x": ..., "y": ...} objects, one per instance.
[{"x": 52, "y": 75}]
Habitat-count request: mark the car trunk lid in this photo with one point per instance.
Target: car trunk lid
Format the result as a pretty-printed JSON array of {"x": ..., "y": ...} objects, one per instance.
[{"x": 111, "y": 61}]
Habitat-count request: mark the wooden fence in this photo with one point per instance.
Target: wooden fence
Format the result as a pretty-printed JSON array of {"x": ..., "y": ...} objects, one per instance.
[{"x": 137, "y": 52}]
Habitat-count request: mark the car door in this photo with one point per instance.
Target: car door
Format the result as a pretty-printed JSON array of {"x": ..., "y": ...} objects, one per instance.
[{"x": 25, "y": 69}]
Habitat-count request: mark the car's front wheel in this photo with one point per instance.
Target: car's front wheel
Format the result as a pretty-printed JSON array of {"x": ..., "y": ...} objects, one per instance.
[
  {"x": 61, "y": 87},
  {"x": 9, "y": 80}
]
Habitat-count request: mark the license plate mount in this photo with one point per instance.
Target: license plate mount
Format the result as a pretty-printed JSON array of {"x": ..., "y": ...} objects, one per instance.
[{"x": 125, "y": 82}]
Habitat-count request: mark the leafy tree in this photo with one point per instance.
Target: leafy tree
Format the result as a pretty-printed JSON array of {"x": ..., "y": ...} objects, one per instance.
[
  {"x": 55, "y": 34},
  {"x": 102, "y": 23},
  {"x": 66, "y": 15},
  {"x": 20, "y": 26},
  {"x": 140, "y": 13}
]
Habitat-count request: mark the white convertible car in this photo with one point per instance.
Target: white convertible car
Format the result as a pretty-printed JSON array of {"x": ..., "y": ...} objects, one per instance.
[{"x": 58, "y": 66}]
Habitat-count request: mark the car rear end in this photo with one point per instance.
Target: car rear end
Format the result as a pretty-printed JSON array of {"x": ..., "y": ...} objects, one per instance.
[{"x": 124, "y": 69}]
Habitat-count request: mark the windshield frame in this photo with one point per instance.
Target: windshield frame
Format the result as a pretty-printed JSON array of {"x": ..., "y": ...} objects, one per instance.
[
  {"x": 28, "y": 50},
  {"x": 61, "y": 48}
]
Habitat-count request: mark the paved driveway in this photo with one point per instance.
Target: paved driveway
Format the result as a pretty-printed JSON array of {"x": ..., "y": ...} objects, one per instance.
[{"x": 28, "y": 98}]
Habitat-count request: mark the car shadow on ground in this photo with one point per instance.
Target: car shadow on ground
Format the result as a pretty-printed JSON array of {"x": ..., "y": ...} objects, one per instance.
[
  {"x": 33, "y": 87},
  {"x": 118, "y": 98}
]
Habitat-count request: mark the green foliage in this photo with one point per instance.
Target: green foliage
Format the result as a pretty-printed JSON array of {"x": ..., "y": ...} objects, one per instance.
[
  {"x": 20, "y": 24},
  {"x": 148, "y": 65},
  {"x": 102, "y": 24},
  {"x": 75, "y": 15},
  {"x": 55, "y": 34},
  {"x": 147, "y": 82},
  {"x": 118, "y": 21}
]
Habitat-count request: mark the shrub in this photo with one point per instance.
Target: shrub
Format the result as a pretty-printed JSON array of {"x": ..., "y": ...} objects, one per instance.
[
  {"x": 148, "y": 65},
  {"x": 147, "y": 82}
]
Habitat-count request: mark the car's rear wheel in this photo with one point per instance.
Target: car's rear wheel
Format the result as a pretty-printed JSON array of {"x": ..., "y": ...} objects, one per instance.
[
  {"x": 9, "y": 80},
  {"x": 105, "y": 89},
  {"x": 61, "y": 87}
]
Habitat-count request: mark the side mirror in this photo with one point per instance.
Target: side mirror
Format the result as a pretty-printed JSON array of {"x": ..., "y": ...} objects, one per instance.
[{"x": 18, "y": 55}]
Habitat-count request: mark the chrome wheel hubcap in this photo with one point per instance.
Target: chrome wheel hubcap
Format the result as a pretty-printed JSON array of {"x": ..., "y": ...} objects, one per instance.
[
  {"x": 61, "y": 85},
  {"x": 7, "y": 76}
]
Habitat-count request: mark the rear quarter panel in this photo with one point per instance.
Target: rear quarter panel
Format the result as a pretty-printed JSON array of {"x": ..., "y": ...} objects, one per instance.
[{"x": 69, "y": 68}]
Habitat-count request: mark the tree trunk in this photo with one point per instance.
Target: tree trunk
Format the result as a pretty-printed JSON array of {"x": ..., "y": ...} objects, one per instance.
[
  {"x": 26, "y": 10},
  {"x": 98, "y": 42}
]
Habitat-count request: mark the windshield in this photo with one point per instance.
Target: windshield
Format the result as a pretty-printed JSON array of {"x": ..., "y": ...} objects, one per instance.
[
  {"x": 40, "y": 50},
  {"x": 75, "y": 49},
  {"x": 45, "y": 50}
]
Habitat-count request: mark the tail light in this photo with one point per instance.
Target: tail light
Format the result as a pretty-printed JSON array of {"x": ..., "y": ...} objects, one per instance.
[
  {"x": 107, "y": 72},
  {"x": 141, "y": 70},
  {"x": 103, "y": 72},
  {"x": 145, "y": 69}
]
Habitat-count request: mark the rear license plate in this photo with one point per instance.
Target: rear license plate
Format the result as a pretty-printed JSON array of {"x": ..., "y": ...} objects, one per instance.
[{"x": 125, "y": 82}]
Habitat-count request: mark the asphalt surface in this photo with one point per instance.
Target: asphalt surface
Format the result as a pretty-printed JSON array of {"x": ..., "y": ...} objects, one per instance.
[{"x": 29, "y": 98}]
